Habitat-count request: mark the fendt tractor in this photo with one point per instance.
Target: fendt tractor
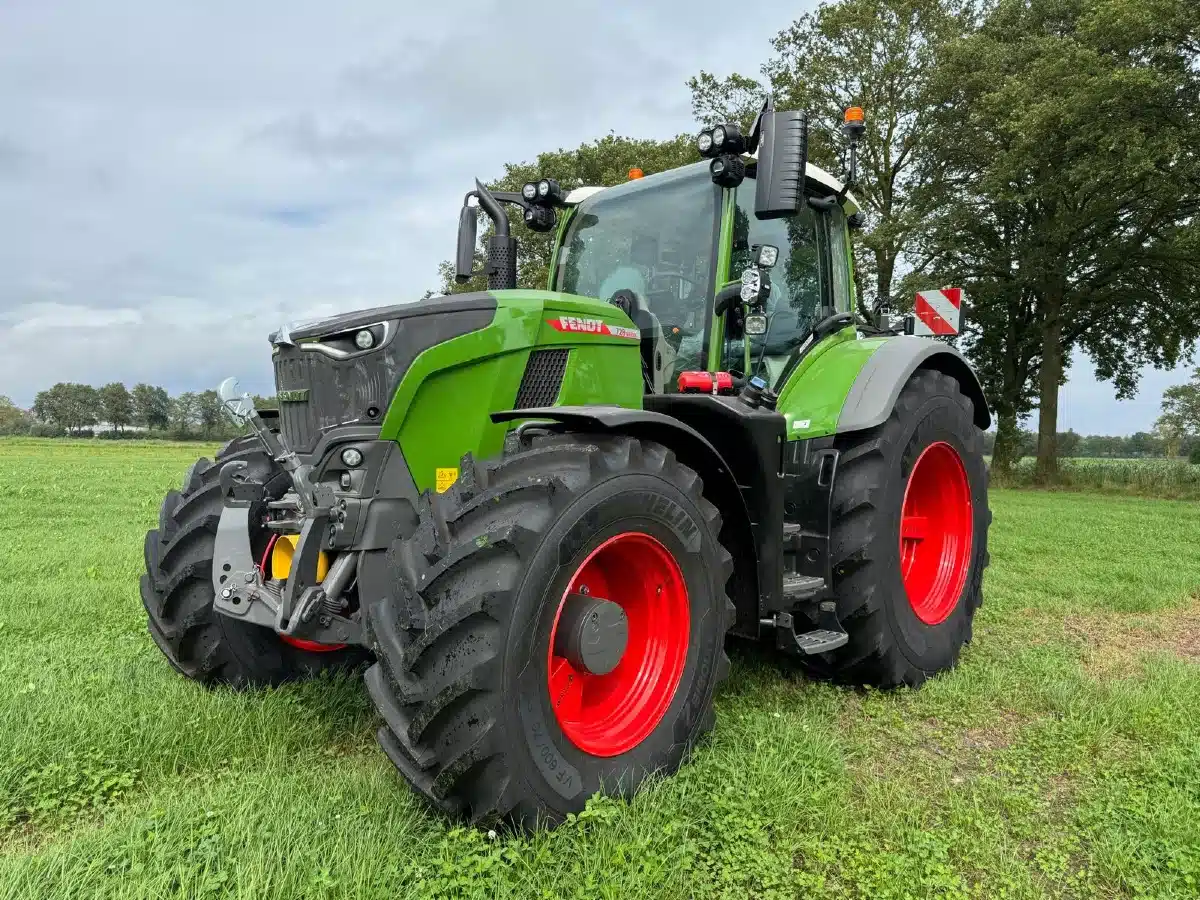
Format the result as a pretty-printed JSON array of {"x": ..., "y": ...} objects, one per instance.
[{"x": 535, "y": 516}]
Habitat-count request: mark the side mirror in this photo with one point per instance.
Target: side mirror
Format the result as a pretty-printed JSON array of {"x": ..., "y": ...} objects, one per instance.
[
  {"x": 238, "y": 405},
  {"x": 464, "y": 261},
  {"x": 782, "y": 159}
]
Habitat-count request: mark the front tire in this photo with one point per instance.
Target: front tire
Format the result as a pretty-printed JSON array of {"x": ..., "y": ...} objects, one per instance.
[
  {"x": 909, "y": 538},
  {"x": 480, "y": 714},
  {"x": 177, "y": 592}
]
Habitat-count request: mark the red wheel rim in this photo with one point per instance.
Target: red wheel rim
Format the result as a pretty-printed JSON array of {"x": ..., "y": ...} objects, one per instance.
[
  {"x": 606, "y": 715},
  {"x": 298, "y": 643},
  {"x": 936, "y": 527}
]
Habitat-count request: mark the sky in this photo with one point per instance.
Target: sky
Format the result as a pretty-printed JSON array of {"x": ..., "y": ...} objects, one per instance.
[{"x": 178, "y": 179}]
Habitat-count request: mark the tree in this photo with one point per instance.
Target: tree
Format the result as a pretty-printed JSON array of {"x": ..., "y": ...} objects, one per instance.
[
  {"x": 878, "y": 54},
  {"x": 603, "y": 162},
  {"x": 117, "y": 404},
  {"x": 1083, "y": 198},
  {"x": 1068, "y": 442},
  {"x": 13, "y": 419},
  {"x": 210, "y": 413},
  {"x": 151, "y": 406},
  {"x": 69, "y": 405},
  {"x": 184, "y": 413},
  {"x": 1180, "y": 414}
]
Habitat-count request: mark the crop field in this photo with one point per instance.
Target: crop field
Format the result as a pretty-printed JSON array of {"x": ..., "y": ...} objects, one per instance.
[
  {"x": 1060, "y": 759},
  {"x": 1174, "y": 479}
]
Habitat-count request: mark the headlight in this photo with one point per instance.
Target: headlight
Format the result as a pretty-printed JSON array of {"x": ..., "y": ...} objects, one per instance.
[
  {"x": 364, "y": 340},
  {"x": 704, "y": 143},
  {"x": 718, "y": 136},
  {"x": 529, "y": 191},
  {"x": 749, "y": 276},
  {"x": 543, "y": 188},
  {"x": 352, "y": 457},
  {"x": 749, "y": 293}
]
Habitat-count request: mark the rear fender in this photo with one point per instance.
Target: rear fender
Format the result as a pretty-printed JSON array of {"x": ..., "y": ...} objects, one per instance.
[
  {"x": 696, "y": 452},
  {"x": 884, "y": 374}
]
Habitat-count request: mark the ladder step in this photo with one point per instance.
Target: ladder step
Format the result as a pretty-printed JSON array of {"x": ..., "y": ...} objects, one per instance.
[
  {"x": 820, "y": 641},
  {"x": 790, "y": 529},
  {"x": 801, "y": 587}
]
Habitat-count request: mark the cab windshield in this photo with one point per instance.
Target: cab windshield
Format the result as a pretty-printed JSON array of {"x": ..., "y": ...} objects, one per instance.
[{"x": 653, "y": 236}]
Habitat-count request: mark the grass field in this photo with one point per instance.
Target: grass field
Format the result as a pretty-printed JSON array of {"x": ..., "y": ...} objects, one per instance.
[{"x": 1061, "y": 759}]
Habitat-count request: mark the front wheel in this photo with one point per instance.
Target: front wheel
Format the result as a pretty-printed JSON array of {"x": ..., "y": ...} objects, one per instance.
[
  {"x": 557, "y": 629},
  {"x": 177, "y": 589},
  {"x": 909, "y": 538}
]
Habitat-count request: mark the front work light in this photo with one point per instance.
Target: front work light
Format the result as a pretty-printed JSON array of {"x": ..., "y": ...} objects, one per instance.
[
  {"x": 755, "y": 325},
  {"x": 529, "y": 191},
  {"x": 768, "y": 255},
  {"x": 352, "y": 457},
  {"x": 540, "y": 218},
  {"x": 727, "y": 170},
  {"x": 704, "y": 143},
  {"x": 364, "y": 340}
]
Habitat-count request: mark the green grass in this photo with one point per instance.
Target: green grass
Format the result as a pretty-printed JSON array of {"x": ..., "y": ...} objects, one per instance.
[{"x": 1061, "y": 759}]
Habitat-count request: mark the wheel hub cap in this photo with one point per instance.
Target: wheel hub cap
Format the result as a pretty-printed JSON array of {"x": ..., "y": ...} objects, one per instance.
[
  {"x": 619, "y": 644},
  {"x": 936, "y": 528},
  {"x": 592, "y": 634}
]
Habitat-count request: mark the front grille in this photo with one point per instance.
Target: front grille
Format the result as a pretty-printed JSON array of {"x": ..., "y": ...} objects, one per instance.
[
  {"x": 542, "y": 380},
  {"x": 317, "y": 393}
]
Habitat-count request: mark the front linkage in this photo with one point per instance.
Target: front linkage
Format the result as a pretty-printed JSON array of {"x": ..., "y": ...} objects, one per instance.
[{"x": 304, "y": 608}]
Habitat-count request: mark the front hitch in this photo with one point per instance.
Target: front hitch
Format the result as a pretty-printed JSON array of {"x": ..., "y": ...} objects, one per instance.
[{"x": 304, "y": 608}]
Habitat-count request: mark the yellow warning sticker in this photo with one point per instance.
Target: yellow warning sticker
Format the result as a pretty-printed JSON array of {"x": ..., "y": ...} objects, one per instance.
[{"x": 445, "y": 478}]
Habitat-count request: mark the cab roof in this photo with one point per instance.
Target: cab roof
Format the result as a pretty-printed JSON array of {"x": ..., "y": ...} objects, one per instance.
[{"x": 812, "y": 173}]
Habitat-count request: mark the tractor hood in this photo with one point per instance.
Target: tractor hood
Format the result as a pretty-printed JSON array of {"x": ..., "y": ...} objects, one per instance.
[
  {"x": 309, "y": 331},
  {"x": 329, "y": 373}
]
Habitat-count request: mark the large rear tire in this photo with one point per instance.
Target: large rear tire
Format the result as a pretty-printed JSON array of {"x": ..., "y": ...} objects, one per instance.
[
  {"x": 178, "y": 595},
  {"x": 482, "y": 713},
  {"x": 909, "y": 538}
]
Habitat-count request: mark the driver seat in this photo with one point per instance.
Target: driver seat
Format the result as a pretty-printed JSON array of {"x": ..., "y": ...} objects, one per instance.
[{"x": 658, "y": 357}]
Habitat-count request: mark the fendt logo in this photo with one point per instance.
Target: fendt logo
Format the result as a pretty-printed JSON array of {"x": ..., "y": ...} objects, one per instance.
[{"x": 576, "y": 325}]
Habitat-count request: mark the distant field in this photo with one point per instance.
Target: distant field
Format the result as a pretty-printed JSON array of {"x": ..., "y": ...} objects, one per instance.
[
  {"x": 1165, "y": 478},
  {"x": 1061, "y": 759}
]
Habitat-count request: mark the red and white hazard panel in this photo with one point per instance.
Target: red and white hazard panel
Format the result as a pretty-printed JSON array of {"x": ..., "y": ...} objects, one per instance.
[{"x": 938, "y": 312}]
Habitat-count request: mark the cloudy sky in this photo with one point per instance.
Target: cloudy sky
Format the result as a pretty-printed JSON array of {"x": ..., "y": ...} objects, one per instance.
[{"x": 178, "y": 178}]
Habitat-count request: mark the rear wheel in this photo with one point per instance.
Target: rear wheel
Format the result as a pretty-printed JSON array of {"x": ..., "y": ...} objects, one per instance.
[
  {"x": 909, "y": 537},
  {"x": 557, "y": 629},
  {"x": 178, "y": 595}
]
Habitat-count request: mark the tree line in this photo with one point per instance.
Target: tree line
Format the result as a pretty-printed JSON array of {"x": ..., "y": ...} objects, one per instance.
[
  {"x": 1041, "y": 154},
  {"x": 1072, "y": 445},
  {"x": 113, "y": 410}
]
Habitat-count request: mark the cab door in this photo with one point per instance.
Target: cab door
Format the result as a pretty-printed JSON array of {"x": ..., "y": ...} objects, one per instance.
[{"x": 811, "y": 280}]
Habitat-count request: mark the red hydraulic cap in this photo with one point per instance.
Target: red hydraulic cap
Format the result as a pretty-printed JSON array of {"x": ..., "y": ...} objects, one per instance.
[{"x": 705, "y": 383}]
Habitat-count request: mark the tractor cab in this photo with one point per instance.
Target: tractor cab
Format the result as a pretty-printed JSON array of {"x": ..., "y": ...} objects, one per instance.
[{"x": 668, "y": 243}]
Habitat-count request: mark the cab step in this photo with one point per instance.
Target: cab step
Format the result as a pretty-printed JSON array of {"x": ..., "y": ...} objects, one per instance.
[
  {"x": 798, "y": 588},
  {"x": 829, "y": 637}
]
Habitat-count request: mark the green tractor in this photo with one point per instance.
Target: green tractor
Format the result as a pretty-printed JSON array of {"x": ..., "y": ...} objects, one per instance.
[{"x": 538, "y": 514}]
